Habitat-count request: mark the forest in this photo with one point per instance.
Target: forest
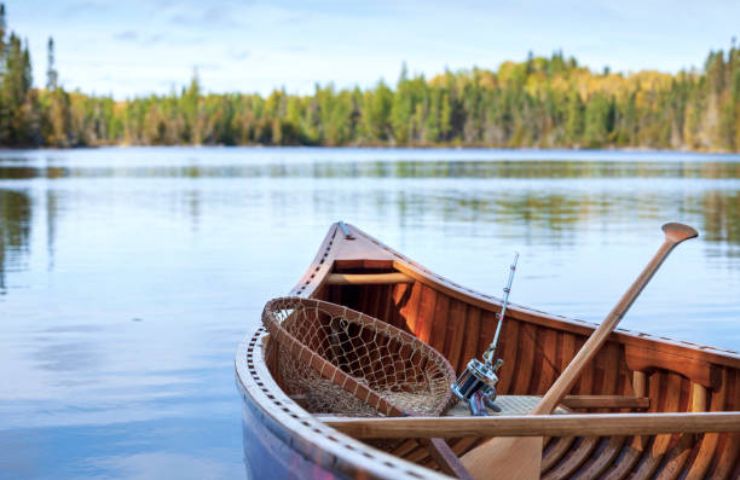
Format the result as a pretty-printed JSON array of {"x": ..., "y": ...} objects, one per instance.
[{"x": 541, "y": 102}]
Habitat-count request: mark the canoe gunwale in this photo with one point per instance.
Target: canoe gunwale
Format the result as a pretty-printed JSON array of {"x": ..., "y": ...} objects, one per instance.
[
  {"x": 331, "y": 250},
  {"x": 304, "y": 433}
]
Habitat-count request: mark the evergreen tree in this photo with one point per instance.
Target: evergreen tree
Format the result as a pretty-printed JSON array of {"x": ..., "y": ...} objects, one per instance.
[{"x": 52, "y": 77}]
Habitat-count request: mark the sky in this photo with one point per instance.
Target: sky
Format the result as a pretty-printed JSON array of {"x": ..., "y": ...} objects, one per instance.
[{"x": 137, "y": 47}]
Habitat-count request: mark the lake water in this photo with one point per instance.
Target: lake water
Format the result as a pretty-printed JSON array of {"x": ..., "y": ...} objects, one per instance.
[{"x": 128, "y": 276}]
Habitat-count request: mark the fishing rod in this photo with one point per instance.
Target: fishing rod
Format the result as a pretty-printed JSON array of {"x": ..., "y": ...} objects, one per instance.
[{"x": 477, "y": 384}]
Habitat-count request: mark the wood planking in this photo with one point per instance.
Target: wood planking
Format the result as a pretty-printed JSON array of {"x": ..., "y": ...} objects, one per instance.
[
  {"x": 545, "y": 350},
  {"x": 525, "y": 359},
  {"x": 548, "y": 371},
  {"x": 456, "y": 328},
  {"x": 425, "y": 314},
  {"x": 439, "y": 324},
  {"x": 410, "y": 310},
  {"x": 509, "y": 348},
  {"x": 488, "y": 321},
  {"x": 470, "y": 339}
]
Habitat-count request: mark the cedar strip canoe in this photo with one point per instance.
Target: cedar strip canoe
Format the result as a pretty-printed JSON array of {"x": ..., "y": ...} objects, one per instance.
[{"x": 633, "y": 373}]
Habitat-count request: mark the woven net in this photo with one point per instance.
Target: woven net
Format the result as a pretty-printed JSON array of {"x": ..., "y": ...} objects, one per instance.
[{"x": 332, "y": 359}]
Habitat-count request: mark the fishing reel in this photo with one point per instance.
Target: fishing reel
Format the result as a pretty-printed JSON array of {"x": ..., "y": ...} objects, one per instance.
[{"x": 477, "y": 386}]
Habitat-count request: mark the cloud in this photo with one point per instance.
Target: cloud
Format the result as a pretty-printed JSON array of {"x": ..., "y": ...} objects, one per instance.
[
  {"x": 222, "y": 16},
  {"x": 127, "y": 36},
  {"x": 131, "y": 36},
  {"x": 77, "y": 8},
  {"x": 239, "y": 54}
]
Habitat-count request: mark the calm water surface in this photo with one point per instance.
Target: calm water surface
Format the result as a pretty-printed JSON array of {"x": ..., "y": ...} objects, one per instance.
[{"x": 128, "y": 276}]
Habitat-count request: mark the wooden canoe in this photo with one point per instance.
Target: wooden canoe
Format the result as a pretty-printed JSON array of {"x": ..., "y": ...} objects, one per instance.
[{"x": 677, "y": 402}]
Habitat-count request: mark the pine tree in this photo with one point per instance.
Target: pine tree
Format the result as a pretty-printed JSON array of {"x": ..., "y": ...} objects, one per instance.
[{"x": 52, "y": 77}]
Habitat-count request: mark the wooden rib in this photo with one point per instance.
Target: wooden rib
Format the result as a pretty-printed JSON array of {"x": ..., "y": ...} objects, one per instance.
[
  {"x": 677, "y": 456},
  {"x": 639, "y": 385},
  {"x": 405, "y": 448},
  {"x": 575, "y": 458},
  {"x": 635, "y": 450},
  {"x": 553, "y": 455},
  {"x": 599, "y": 463},
  {"x": 727, "y": 461},
  {"x": 623, "y": 467},
  {"x": 367, "y": 278},
  {"x": 676, "y": 459},
  {"x": 464, "y": 444},
  {"x": 419, "y": 454},
  {"x": 727, "y": 464},
  {"x": 698, "y": 397},
  {"x": 456, "y": 329},
  {"x": 708, "y": 444},
  {"x": 595, "y": 464},
  {"x": 650, "y": 462}
]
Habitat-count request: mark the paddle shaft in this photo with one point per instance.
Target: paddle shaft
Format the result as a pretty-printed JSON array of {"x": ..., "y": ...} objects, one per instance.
[
  {"x": 520, "y": 458},
  {"x": 565, "y": 381}
]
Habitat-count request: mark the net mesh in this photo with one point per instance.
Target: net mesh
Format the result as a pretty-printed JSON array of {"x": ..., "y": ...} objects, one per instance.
[{"x": 332, "y": 359}]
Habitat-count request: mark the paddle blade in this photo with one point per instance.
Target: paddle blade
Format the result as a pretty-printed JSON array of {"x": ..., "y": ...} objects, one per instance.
[
  {"x": 678, "y": 232},
  {"x": 512, "y": 458}
]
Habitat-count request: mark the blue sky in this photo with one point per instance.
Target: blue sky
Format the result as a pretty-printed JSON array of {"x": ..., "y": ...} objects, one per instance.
[{"x": 135, "y": 47}]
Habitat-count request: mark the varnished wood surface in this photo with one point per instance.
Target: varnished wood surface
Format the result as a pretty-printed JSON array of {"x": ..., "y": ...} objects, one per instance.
[
  {"x": 536, "y": 348},
  {"x": 367, "y": 279},
  {"x": 596, "y": 424}
]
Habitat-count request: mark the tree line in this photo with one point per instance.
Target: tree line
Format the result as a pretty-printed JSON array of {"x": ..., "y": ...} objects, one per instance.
[{"x": 543, "y": 102}]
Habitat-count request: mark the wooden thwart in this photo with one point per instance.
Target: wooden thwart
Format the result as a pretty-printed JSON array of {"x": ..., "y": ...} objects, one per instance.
[
  {"x": 367, "y": 278},
  {"x": 605, "y": 401},
  {"x": 597, "y": 425}
]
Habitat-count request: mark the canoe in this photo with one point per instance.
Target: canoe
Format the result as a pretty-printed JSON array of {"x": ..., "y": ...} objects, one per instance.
[{"x": 645, "y": 407}]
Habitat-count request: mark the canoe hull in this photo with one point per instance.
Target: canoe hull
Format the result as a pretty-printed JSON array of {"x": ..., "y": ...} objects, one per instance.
[{"x": 660, "y": 374}]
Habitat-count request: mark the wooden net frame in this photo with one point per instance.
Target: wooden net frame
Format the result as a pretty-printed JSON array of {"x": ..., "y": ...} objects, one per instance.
[{"x": 335, "y": 360}]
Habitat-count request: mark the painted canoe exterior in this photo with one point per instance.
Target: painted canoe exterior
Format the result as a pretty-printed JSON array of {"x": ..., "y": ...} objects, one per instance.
[{"x": 283, "y": 439}]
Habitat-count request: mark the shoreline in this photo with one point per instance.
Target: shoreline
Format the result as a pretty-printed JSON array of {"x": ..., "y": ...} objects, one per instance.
[{"x": 611, "y": 149}]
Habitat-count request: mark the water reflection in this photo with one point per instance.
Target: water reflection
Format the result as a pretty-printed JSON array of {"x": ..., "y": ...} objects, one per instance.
[
  {"x": 15, "y": 230},
  {"x": 405, "y": 169},
  {"x": 129, "y": 276}
]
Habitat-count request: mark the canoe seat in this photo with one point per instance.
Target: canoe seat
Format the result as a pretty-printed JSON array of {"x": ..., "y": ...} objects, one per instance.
[
  {"x": 509, "y": 405},
  {"x": 524, "y": 404}
]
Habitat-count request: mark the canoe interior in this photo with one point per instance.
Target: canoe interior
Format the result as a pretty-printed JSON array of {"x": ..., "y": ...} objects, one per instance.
[
  {"x": 535, "y": 352},
  {"x": 536, "y": 347}
]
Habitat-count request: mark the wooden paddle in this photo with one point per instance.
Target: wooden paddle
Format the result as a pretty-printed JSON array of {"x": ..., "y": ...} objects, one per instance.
[{"x": 519, "y": 458}]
